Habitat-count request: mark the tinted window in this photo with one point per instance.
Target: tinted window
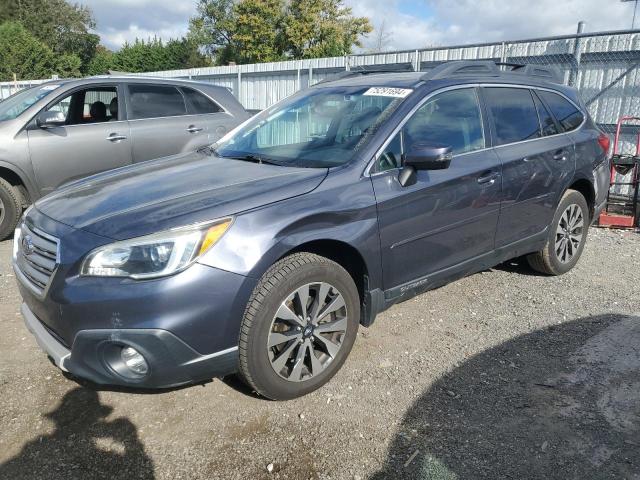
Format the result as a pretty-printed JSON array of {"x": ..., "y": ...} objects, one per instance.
[
  {"x": 199, "y": 103},
  {"x": 567, "y": 115},
  {"x": 514, "y": 114},
  {"x": 152, "y": 101},
  {"x": 450, "y": 118},
  {"x": 547, "y": 122}
]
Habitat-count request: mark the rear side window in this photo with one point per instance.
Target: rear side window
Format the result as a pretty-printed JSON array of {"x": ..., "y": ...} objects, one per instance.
[
  {"x": 153, "y": 101},
  {"x": 199, "y": 103},
  {"x": 547, "y": 122},
  {"x": 565, "y": 112},
  {"x": 514, "y": 114}
]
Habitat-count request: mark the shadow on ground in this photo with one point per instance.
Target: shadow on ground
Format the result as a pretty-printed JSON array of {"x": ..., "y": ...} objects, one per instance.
[
  {"x": 563, "y": 403},
  {"x": 84, "y": 445}
]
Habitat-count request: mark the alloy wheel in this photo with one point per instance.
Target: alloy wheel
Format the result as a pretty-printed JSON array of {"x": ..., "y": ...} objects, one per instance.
[
  {"x": 2, "y": 211},
  {"x": 569, "y": 233},
  {"x": 307, "y": 331}
]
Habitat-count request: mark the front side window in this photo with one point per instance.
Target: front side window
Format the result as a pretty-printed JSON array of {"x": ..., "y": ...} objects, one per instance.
[
  {"x": 91, "y": 105},
  {"x": 154, "y": 101},
  {"x": 514, "y": 114},
  {"x": 198, "y": 103},
  {"x": 450, "y": 118},
  {"x": 565, "y": 112},
  {"x": 16, "y": 104},
  {"x": 322, "y": 127}
]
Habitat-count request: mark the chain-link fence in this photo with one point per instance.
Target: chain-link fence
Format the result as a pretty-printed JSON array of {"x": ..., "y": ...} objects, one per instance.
[{"x": 604, "y": 67}]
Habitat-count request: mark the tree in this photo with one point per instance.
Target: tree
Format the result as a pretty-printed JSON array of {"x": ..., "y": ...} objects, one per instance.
[
  {"x": 64, "y": 27},
  {"x": 23, "y": 55},
  {"x": 322, "y": 28},
  {"x": 381, "y": 39},
  {"x": 101, "y": 62},
  {"x": 247, "y": 31}
]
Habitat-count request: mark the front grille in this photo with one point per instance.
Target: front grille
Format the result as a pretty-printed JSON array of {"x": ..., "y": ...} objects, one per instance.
[{"x": 37, "y": 257}]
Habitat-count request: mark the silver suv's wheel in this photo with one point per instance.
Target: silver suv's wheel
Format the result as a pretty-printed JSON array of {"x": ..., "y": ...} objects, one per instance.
[
  {"x": 567, "y": 236},
  {"x": 299, "y": 326},
  {"x": 10, "y": 208}
]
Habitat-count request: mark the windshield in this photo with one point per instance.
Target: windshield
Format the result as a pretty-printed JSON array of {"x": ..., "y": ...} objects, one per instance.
[
  {"x": 322, "y": 127},
  {"x": 19, "y": 102}
]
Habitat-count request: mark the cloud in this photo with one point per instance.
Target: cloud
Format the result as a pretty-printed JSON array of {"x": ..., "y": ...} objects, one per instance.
[
  {"x": 449, "y": 22},
  {"x": 410, "y": 24}
]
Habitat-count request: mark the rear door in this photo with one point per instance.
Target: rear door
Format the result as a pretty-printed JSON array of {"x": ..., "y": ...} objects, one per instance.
[
  {"x": 159, "y": 121},
  {"x": 448, "y": 216},
  {"x": 535, "y": 166},
  {"x": 95, "y": 137},
  {"x": 209, "y": 121}
]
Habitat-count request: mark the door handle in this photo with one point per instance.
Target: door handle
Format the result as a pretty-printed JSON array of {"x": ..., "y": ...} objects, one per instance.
[
  {"x": 488, "y": 177},
  {"x": 560, "y": 156},
  {"x": 193, "y": 129},
  {"x": 114, "y": 137}
]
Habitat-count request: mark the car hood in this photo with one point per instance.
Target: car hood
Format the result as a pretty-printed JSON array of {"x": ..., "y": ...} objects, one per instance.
[{"x": 171, "y": 192}]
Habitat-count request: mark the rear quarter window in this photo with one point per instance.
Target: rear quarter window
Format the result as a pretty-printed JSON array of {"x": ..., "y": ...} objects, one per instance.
[
  {"x": 565, "y": 112},
  {"x": 514, "y": 114},
  {"x": 199, "y": 103}
]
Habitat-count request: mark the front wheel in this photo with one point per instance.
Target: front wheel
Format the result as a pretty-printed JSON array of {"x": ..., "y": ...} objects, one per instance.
[
  {"x": 10, "y": 208},
  {"x": 299, "y": 326},
  {"x": 567, "y": 236}
]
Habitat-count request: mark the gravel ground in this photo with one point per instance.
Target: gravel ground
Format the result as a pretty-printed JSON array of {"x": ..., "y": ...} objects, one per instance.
[{"x": 504, "y": 374}]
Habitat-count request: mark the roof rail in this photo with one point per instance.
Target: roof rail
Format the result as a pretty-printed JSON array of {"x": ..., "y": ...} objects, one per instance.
[
  {"x": 367, "y": 70},
  {"x": 492, "y": 69},
  {"x": 551, "y": 74},
  {"x": 463, "y": 67}
]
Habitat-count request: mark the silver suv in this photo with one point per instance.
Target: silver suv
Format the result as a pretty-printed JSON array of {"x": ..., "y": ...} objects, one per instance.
[{"x": 69, "y": 129}]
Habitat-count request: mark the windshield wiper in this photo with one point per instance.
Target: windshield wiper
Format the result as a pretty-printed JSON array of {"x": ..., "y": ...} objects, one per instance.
[{"x": 251, "y": 158}]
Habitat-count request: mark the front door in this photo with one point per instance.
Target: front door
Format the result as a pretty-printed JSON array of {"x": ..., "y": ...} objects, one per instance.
[
  {"x": 94, "y": 139},
  {"x": 448, "y": 216}
]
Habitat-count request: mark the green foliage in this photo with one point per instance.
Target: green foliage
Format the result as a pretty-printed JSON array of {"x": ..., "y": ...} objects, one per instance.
[
  {"x": 25, "y": 56},
  {"x": 323, "y": 28},
  {"x": 63, "y": 27},
  {"x": 148, "y": 56},
  {"x": 247, "y": 31}
]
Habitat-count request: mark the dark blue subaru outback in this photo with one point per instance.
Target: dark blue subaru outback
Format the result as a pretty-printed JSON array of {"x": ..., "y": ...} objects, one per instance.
[{"x": 263, "y": 253}]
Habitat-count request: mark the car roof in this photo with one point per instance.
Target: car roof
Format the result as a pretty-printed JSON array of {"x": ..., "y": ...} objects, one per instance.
[
  {"x": 455, "y": 73},
  {"x": 130, "y": 79}
]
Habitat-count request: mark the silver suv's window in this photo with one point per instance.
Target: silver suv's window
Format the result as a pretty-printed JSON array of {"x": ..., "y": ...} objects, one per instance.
[
  {"x": 321, "y": 127},
  {"x": 89, "y": 105},
  {"x": 198, "y": 103},
  {"x": 514, "y": 114},
  {"x": 16, "y": 104},
  {"x": 154, "y": 101},
  {"x": 450, "y": 118}
]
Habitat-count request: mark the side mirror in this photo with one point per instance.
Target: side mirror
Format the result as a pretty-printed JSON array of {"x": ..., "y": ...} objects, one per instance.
[
  {"x": 51, "y": 119},
  {"x": 428, "y": 156},
  {"x": 424, "y": 156}
]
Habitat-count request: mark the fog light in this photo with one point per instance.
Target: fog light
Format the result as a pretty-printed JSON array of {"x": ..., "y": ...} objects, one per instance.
[{"x": 134, "y": 361}]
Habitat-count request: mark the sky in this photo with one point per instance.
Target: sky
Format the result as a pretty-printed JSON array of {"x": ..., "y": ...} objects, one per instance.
[{"x": 407, "y": 24}]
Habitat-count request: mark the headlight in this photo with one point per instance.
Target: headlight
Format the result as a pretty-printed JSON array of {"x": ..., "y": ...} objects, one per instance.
[{"x": 155, "y": 255}]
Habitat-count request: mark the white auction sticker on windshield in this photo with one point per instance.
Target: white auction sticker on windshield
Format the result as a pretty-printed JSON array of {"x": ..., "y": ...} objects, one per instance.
[
  {"x": 388, "y": 92},
  {"x": 49, "y": 87}
]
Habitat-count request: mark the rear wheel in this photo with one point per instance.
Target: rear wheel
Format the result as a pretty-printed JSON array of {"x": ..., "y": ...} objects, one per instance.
[
  {"x": 10, "y": 208},
  {"x": 299, "y": 326},
  {"x": 567, "y": 236}
]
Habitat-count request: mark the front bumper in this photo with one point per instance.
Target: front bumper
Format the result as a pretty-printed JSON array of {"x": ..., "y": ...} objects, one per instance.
[{"x": 171, "y": 361}]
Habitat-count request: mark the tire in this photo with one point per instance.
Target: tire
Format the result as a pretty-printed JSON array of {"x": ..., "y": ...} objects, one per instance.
[
  {"x": 558, "y": 258},
  {"x": 10, "y": 209},
  {"x": 275, "y": 334}
]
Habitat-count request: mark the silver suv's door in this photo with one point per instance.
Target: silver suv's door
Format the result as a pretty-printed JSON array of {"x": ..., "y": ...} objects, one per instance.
[
  {"x": 160, "y": 122},
  {"x": 207, "y": 114},
  {"x": 95, "y": 137}
]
